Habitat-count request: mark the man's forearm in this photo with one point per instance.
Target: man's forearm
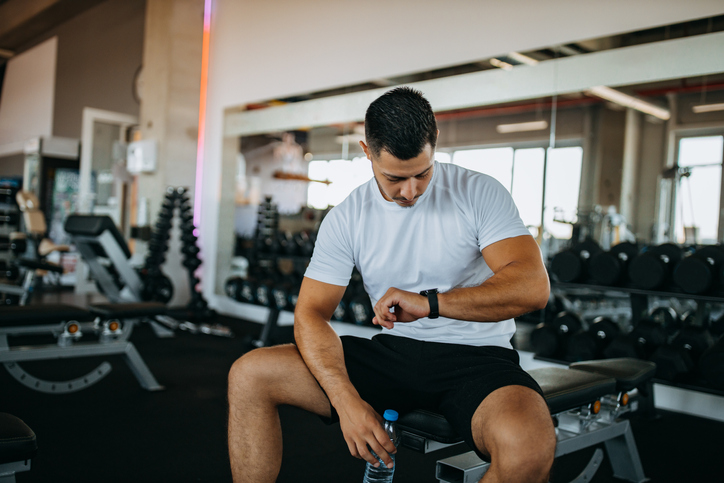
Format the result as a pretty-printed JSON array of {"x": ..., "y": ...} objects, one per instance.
[
  {"x": 517, "y": 289},
  {"x": 321, "y": 349}
]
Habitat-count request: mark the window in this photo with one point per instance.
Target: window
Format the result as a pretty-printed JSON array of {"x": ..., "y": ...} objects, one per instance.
[
  {"x": 524, "y": 172},
  {"x": 699, "y": 189},
  {"x": 344, "y": 176},
  {"x": 521, "y": 172}
]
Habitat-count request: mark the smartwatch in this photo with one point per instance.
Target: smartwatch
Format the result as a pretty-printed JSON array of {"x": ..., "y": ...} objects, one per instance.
[{"x": 431, "y": 295}]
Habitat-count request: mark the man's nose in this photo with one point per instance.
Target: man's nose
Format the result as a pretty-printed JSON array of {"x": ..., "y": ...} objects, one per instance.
[{"x": 409, "y": 189}]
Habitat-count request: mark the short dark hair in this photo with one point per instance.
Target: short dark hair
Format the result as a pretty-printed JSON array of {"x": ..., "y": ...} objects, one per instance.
[{"x": 400, "y": 122}]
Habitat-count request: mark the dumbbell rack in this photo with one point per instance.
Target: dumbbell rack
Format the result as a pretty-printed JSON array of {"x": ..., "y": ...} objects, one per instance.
[
  {"x": 640, "y": 304},
  {"x": 9, "y": 223},
  {"x": 157, "y": 286}
]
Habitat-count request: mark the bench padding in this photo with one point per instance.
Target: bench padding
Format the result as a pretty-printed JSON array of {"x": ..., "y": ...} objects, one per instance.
[
  {"x": 17, "y": 440},
  {"x": 429, "y": 425},
  {"x": 42, "y": 314},
  {"x": 568, "y": 388},
  {"x": 629, "y": 373}
]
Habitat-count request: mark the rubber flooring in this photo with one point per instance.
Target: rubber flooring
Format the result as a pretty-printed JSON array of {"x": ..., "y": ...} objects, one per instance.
[{"x": 114, "y": 431}]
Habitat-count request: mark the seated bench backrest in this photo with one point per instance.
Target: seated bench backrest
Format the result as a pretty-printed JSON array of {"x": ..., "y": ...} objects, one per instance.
[
  {"x": 97, "y": 238},
  {"x": 94, "y": 226}
]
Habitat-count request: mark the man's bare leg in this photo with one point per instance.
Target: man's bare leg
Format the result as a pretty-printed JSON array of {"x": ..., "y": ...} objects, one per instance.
[
  {"x": 259, "y": 382},
  {"x": 513, "y": 426}
]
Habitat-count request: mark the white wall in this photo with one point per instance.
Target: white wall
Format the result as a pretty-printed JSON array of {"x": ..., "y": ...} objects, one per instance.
[
  {"x": 262, "y": 50},
  {"x": 26, "y": 107}
]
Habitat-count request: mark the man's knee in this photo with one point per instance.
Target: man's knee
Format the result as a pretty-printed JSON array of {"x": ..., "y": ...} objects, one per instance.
[
  {"x": 514, "y": 427},
  {"x": 518, "y": 445},
  {"x": 253, "y": 372}
]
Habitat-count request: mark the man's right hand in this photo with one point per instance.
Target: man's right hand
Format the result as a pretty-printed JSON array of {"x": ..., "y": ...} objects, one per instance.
[{"x": 363, "y": 430}]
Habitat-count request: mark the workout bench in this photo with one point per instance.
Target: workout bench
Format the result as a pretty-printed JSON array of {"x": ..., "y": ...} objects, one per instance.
[
  {"x": 17, "y": 446},
  {"x": 586, "y": 402},
  {"x": 111, "y": 324}
]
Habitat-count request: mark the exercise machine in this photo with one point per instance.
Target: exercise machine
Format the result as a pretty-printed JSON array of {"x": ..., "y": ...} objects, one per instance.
[
  {"x": 587, "y": 402},
  {"x": 110, "y": 326}
]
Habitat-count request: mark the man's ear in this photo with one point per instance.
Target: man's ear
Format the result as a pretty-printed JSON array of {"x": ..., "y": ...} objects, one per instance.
[{"x": 366, "y": 149}]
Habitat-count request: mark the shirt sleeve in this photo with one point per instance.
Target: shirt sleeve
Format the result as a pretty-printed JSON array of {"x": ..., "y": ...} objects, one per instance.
[
  {"x": 333, "y": 260},
  {"x": 496, "y": 216}
]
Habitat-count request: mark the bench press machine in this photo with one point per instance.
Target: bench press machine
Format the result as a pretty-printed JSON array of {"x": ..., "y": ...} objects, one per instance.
[
  {"x": 586, "y": 402},
  {"x": 111, "y": 326}
]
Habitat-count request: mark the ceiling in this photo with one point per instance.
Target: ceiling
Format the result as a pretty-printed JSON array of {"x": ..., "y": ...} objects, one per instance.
[{"x": 22, "y": 21}]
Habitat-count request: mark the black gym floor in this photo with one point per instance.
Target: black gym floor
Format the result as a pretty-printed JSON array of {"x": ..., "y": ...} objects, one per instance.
[{"x": 117, "y": 432}]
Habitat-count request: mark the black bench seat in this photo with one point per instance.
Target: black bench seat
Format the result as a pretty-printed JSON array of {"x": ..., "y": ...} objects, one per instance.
[
  {"x": 17, "y": 440},
  {"x": 563, "y": 389},
  {"x": 629, "y": 373},
  {"x": 42, "y": 314}
]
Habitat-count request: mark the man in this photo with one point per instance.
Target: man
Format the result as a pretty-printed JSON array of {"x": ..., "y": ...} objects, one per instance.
[{"x": 417, "y": 225}]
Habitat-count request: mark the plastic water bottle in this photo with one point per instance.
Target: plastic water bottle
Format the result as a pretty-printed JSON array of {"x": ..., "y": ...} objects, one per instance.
[{"x": 383, "y": 474}]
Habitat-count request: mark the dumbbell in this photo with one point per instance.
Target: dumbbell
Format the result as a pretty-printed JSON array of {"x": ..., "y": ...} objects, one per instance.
[
  {"x": 192, "y": 263},
  {"x": 360, "y": 308},
  {"x": 667, "y": 318},
  {"x": 700, "y": 271},
  {"x": 572, "y": 265},
  {"x": 7, "y": 195},
  {"x": 9, "y": 218},
  {"x": 287, "y": 246},
  {"x": 589, "y": 344},
  {"x": 716, "y": 327},
  {"x": 611, "y": 268},
  {"x": 232, "y": 287},
  {"x": 551, "y": 339},
  {"x": 157, "y": 287},
  {"x": 9, "y": 299},
  {"x": 652, "y": 269},
  {"x": 8, "y": 271},
  {"x": 641, "y": 342},
  {"x": 305, "y": 244},
  {"x": 280, "y": 293},
  {"x": 677, "y": 360},
  {"x": 293, "y": 295},
  {"x": 17, "y": 245},
  {"x": 345, "y": 310},
  {"x": 711, "y": 364}
]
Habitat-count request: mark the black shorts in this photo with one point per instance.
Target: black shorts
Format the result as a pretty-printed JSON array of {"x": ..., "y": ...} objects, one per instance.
[{"x": 403, "y": 374}]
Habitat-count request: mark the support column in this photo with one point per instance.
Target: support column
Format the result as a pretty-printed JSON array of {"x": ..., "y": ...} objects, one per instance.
[
  {"x": 170, "y": 88},
  {"x": 630, "y": 168}
]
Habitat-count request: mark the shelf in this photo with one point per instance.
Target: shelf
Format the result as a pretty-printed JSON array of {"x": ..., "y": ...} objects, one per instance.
[{"x": 638, "y": 291}]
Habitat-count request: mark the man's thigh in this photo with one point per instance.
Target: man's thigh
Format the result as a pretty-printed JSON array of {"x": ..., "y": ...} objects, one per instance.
[{"x": 478, "y": 375}]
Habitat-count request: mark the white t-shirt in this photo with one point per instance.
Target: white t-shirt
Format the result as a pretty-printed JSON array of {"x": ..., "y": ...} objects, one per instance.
[{"x": 435, "y": 243}]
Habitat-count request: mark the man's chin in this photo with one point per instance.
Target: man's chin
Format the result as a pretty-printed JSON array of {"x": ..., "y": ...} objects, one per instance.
[{"x": 406, "y": 204}]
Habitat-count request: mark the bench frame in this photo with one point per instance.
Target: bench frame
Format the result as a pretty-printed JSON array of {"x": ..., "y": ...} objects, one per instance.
[{"x": 108, "y": 343}]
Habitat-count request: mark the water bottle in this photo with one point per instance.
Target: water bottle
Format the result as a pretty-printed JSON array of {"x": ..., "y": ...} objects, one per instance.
[{"x": 383, "y": 474}]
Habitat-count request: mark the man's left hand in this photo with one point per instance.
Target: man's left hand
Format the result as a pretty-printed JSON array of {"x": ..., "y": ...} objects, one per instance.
[{"x": 407, "y": 306}]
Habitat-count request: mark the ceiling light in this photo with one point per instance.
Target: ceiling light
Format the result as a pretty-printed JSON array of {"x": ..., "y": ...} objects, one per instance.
[
  {"x": 618, "y": 97},
  {"x": 708, "y": 108},
  {"x": 523, "y": 59},
  {"x": 522, "y": 127},
  {"x": 500, "y": 64}
]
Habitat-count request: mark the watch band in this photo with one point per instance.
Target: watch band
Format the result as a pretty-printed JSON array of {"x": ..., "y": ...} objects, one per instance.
[{"x": 431, "y": 295}]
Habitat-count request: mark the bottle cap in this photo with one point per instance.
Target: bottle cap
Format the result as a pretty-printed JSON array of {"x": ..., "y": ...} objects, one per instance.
[{"x": 390, "y": 415}]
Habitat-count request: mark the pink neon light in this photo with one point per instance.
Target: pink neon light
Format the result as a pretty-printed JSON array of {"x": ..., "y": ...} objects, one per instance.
[{"x": 202, "y": 112}]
